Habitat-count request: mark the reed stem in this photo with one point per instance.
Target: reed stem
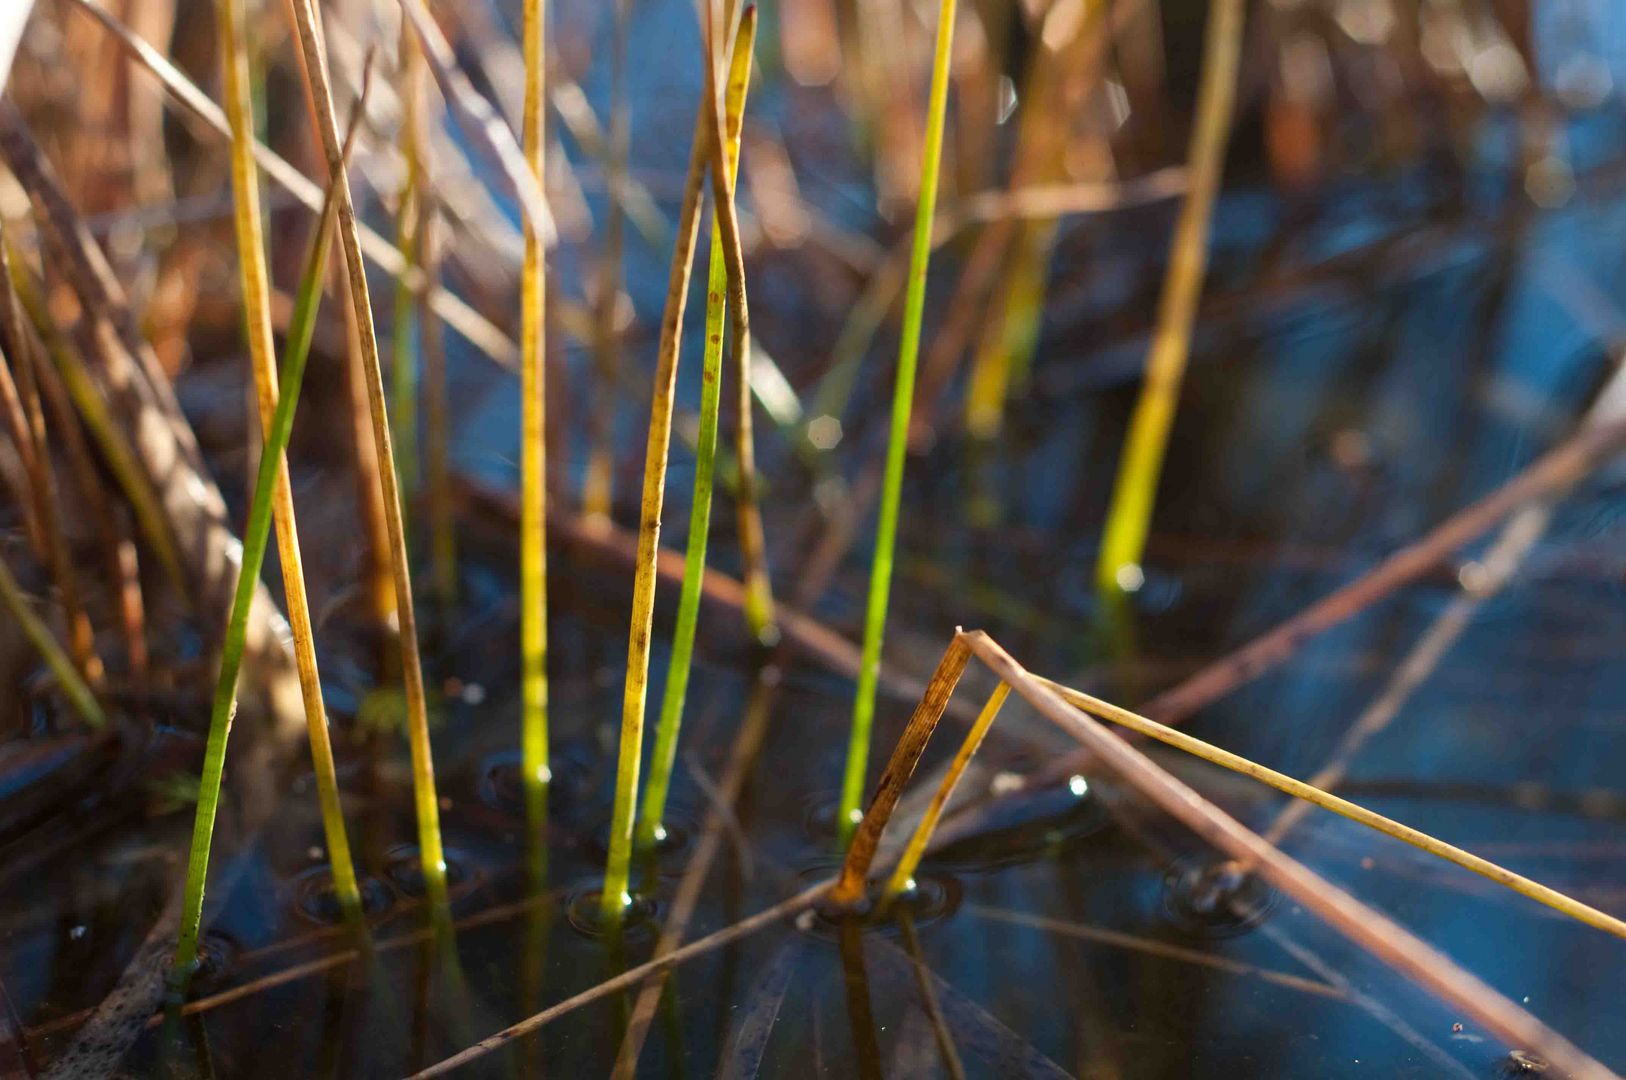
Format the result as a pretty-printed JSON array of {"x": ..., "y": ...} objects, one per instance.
[
  {"x": 1134, "y": 492},
  {"x": 886, "y": 531},
  {"x": 903, "y": 873},
  {"x": 256, "y": 536},
  {"x": 1536, "y": 891},
  {"x": 759, "y": 605},
  {"x": 614, "y": 896},
  {"x": 533, "y": 539},
  {"x": 308, "y": 22},
  {"x": 650, "y": 818},
  {"x": 262, "y": 355}
]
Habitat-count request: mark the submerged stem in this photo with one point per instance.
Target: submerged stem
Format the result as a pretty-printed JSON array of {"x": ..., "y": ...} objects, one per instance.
[
  {"x": 886, "y": 531},
  {"x": 651, "y": 814}
]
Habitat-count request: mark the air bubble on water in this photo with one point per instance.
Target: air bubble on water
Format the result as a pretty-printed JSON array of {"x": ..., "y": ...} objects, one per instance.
[
  {"x": 1130, "y": 577},
  {"x": 1006, "y": 783}
]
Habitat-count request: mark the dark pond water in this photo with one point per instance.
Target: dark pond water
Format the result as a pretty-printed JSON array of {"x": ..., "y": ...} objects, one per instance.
[{"x": 1366, "y": 366}]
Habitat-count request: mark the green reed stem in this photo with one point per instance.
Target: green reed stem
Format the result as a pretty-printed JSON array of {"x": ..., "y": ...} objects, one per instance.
[
  {"x": 256, "y": 536},
  {"x": 656, "y": 787},
  {"x": 533, "y": 534},
  {"x": 1133, "y": 494},
  {"x": 886, "y": 531},
  {"x": 39, "y": 635}
]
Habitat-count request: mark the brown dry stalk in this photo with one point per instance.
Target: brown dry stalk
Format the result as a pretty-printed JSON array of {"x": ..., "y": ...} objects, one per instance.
[
  {"x": 904, "y": 871},
  {"x": 1519, "y": 535},
  {"x": 759, "y": 606},
  {"x": 747, "y": 744},
  {"x": 369, "y": 488},
  {"x": 26, "y": 419},
  {"x": 631, "y": 977},
  {"x": 657, "y": 450},
  {"x": 166, "y": 462},
  {"x": 11, "y": 403},
  {"x": 479, "y": 330},
  {"x": 1374, "y": 932},
  {"x": 1312, "y": 795},
  {"x": 1117, "y": 939},
  {"x": 122, "y": 563},
  {"x": 850, "y": 886},
  {"x": 1547, "y": 477}
]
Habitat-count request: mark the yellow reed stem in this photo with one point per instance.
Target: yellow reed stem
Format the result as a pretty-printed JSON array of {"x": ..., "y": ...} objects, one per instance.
[
  {"x": 614, "y": 896},
  {"x": 308, "y": 22},
  {"x": 1343, "y": 807},
  {"x": 256, "y": 288},
  {"x": 1135, "y": 490},
  {"x": 904, "y": 872},
  {"x": 533, "y": 549}
]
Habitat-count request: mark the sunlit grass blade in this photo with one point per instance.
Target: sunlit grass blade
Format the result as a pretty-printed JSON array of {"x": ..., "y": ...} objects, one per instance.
[
  {"x": 39, "y": 635},
  {"x": 256, "y": 536},
  {"x": 653, "y": 809},
  {"x": 886, "y": 531},
  {"x": 533, "y": 533},
  {"x": 426, "y": 804},
  {"x": 256, "y": 288},
  {"x": 1118, "y": 568}
]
